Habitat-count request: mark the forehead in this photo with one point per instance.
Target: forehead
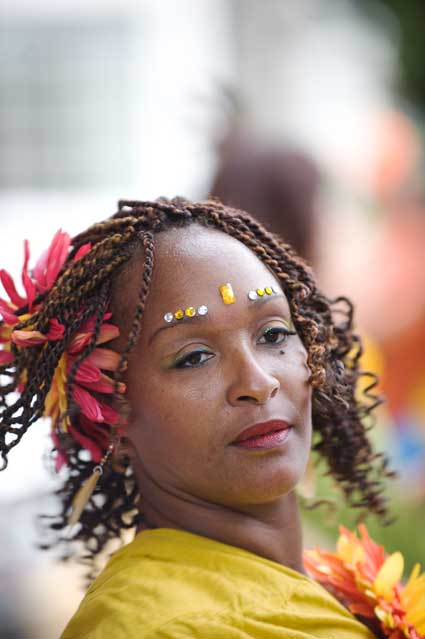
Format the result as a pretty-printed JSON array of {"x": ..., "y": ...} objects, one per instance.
[{"x": 191, "y": 263}]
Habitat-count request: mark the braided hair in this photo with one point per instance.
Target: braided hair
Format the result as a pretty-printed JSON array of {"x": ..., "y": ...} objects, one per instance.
[{"x": 341, "y": 415}]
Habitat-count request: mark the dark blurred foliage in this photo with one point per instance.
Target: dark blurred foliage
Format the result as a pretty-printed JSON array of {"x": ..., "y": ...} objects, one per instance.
[{"x": 410, "y": 15}]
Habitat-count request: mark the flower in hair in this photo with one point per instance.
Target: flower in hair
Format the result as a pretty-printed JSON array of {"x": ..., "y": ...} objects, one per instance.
[
  {"x": 72, "y": 402},
  {"x": 368, "y": 582}
]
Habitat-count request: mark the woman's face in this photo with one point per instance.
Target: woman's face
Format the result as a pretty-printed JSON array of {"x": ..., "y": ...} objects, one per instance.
[{"x": 194, "y": 385}]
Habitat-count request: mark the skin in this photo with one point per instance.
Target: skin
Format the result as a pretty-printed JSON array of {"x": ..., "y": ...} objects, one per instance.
[{"x": 183, "y": 419}]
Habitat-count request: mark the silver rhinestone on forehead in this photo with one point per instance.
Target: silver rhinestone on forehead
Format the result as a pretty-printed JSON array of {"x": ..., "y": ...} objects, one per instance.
[
  {"x": 252, "y": 295},
  {"x": 202, "y": 310},
  {"x": 168, "y": 317}
]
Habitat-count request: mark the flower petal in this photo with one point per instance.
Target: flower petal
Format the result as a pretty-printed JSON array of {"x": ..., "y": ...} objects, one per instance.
[
  {"x": 51, "y": 261},
  {"x": 389, "y": 575},
  {"x": 104, "y": 358},
  {"x": 6, "y": 358},
  {"x": 82, "y": 338},
  {"x": 375, "y": 553},
  {"x": 9, "y": 287},
  {"x": 104, "y": 385},
  {"x": 84, "y": 248},
  {"x": 89, "y": 406},
  {"x": 58, "y": 253},
  {"x": 56, "y": 330},
  {"x": 349, "y": 550},
  {"x": 100, "y": 433},
  {"x": 110, "y": 415},
  {"x": 108, "y": 332},
  {"x": 7, "y": 313},
  {"x": 78, "y": 343},
  {"x": 29, "y": 285},
  {"x": 87, "y": 373},
  {"x": 28, "y": 338},
  {"x": 88, "y": 443}
]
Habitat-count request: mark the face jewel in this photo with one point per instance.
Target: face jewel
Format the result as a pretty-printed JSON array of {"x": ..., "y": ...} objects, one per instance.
[
  {"x": 269, "y": 290},
  {"x": 260, "y": 292},
  {"x": 179, "y": 314},
  {"x": 275, "y": 290},
  {"x": 202, "y": 310},
  {"x": 190, "y": 312},
  {"x": 227, "y": 293},
  {"x": 168, "y": 317},
  {"x": 252, "y": 295}
]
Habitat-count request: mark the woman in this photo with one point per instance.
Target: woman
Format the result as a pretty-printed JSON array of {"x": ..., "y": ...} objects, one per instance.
[{"x": 226, "y": 364}]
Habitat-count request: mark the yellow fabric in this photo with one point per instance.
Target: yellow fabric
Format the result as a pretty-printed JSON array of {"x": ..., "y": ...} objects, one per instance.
[{"x": 172, "y": 584}]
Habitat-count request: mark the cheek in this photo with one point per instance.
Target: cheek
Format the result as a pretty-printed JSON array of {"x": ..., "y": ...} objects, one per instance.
[
  {"x": 296, "y": 372},
  {"x": 169, "y": 414}
]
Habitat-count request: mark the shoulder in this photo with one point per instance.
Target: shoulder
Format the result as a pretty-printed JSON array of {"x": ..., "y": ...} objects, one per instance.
[
  {"x": 129, "y": 616},
  {"x": 176, "y": 585}
]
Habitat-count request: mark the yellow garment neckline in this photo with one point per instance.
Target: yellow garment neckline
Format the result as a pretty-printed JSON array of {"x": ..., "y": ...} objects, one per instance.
[{"x": 148, "y": 538}]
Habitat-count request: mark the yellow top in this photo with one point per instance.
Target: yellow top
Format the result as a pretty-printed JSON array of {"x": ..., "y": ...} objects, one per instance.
[{"x": 172, "y": 584}]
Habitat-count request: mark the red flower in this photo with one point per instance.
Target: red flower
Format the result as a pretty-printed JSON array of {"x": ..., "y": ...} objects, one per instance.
[{"x": 90, "y": 427}]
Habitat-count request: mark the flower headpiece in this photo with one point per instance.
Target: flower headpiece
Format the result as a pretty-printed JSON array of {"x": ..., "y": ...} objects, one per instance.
[
  {"x": 367, "y": 581},
  {"x": 91, "y": 421}
]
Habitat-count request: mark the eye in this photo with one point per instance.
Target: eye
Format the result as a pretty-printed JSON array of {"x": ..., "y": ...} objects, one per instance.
[
  {"x": 275, "y": 335},
  {"x": 195, "y": 359}
]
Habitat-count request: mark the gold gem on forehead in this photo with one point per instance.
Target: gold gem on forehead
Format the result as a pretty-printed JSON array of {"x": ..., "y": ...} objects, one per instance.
[
  {"x": 190, "y": 311},
  {"x": 227, "y": 294},
  {"x": 262, "y": 292}
]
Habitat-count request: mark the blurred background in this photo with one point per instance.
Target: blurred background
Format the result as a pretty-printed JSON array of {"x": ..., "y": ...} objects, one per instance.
[{"x": 307, "y": 113}]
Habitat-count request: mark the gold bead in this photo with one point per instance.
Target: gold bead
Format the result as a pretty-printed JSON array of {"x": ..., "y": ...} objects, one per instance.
[
  {"x": 227, "y": 293},
  {"x": 269, "y": 291},
  {"x": 190, "y": 311},
  {"x": 179, "y": 314},
  {"x": 260, "y": 292}
]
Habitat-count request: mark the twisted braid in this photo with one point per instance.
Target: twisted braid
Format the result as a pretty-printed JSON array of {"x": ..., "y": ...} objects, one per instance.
[{"x": 340, "y": 419}]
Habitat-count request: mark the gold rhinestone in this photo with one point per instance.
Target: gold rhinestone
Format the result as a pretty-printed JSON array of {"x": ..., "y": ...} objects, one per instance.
[
  {"x": 260, "y": 292},
  {"x": 269, "y": 291},
  {"x": 179, "y": 314},
  {"x": 190, "y": 312},
  {"x": 227, "y": 293}
]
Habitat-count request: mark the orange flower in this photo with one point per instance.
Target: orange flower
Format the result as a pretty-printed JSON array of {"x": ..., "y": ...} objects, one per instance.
[{"x": 368, "y": 582}]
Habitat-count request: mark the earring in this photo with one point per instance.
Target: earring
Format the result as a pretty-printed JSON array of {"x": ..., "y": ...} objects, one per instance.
[{"x": 84, "y": 493}]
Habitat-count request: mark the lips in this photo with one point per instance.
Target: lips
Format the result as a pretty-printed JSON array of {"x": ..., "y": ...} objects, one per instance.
[{"x": 261, "y": 429}]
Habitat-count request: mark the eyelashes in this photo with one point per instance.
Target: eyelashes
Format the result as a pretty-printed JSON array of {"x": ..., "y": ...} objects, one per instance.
[
  {"x": 275, "y": 335},
  {"x": 194, "y": 359},
  {"x": 272, "y": 336}
]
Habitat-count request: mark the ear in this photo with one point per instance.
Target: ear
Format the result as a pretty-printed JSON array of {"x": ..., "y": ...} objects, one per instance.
[{"x": 124, "y": 450}]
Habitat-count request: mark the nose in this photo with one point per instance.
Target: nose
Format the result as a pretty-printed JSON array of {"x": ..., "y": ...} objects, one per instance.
[{"x": 252, "y": 382}]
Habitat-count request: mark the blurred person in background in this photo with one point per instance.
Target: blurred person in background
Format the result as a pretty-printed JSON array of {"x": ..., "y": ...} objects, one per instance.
[
  {"x": 168, "y": 432},
  {"x": 278, "y": 185}
]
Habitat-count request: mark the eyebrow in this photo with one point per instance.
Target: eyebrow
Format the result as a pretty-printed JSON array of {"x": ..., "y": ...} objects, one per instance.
[{"x": 197, "y": 318}]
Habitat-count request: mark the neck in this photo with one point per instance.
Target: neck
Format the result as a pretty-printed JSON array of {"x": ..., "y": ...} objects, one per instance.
[{"x": 271, "y": 530}]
